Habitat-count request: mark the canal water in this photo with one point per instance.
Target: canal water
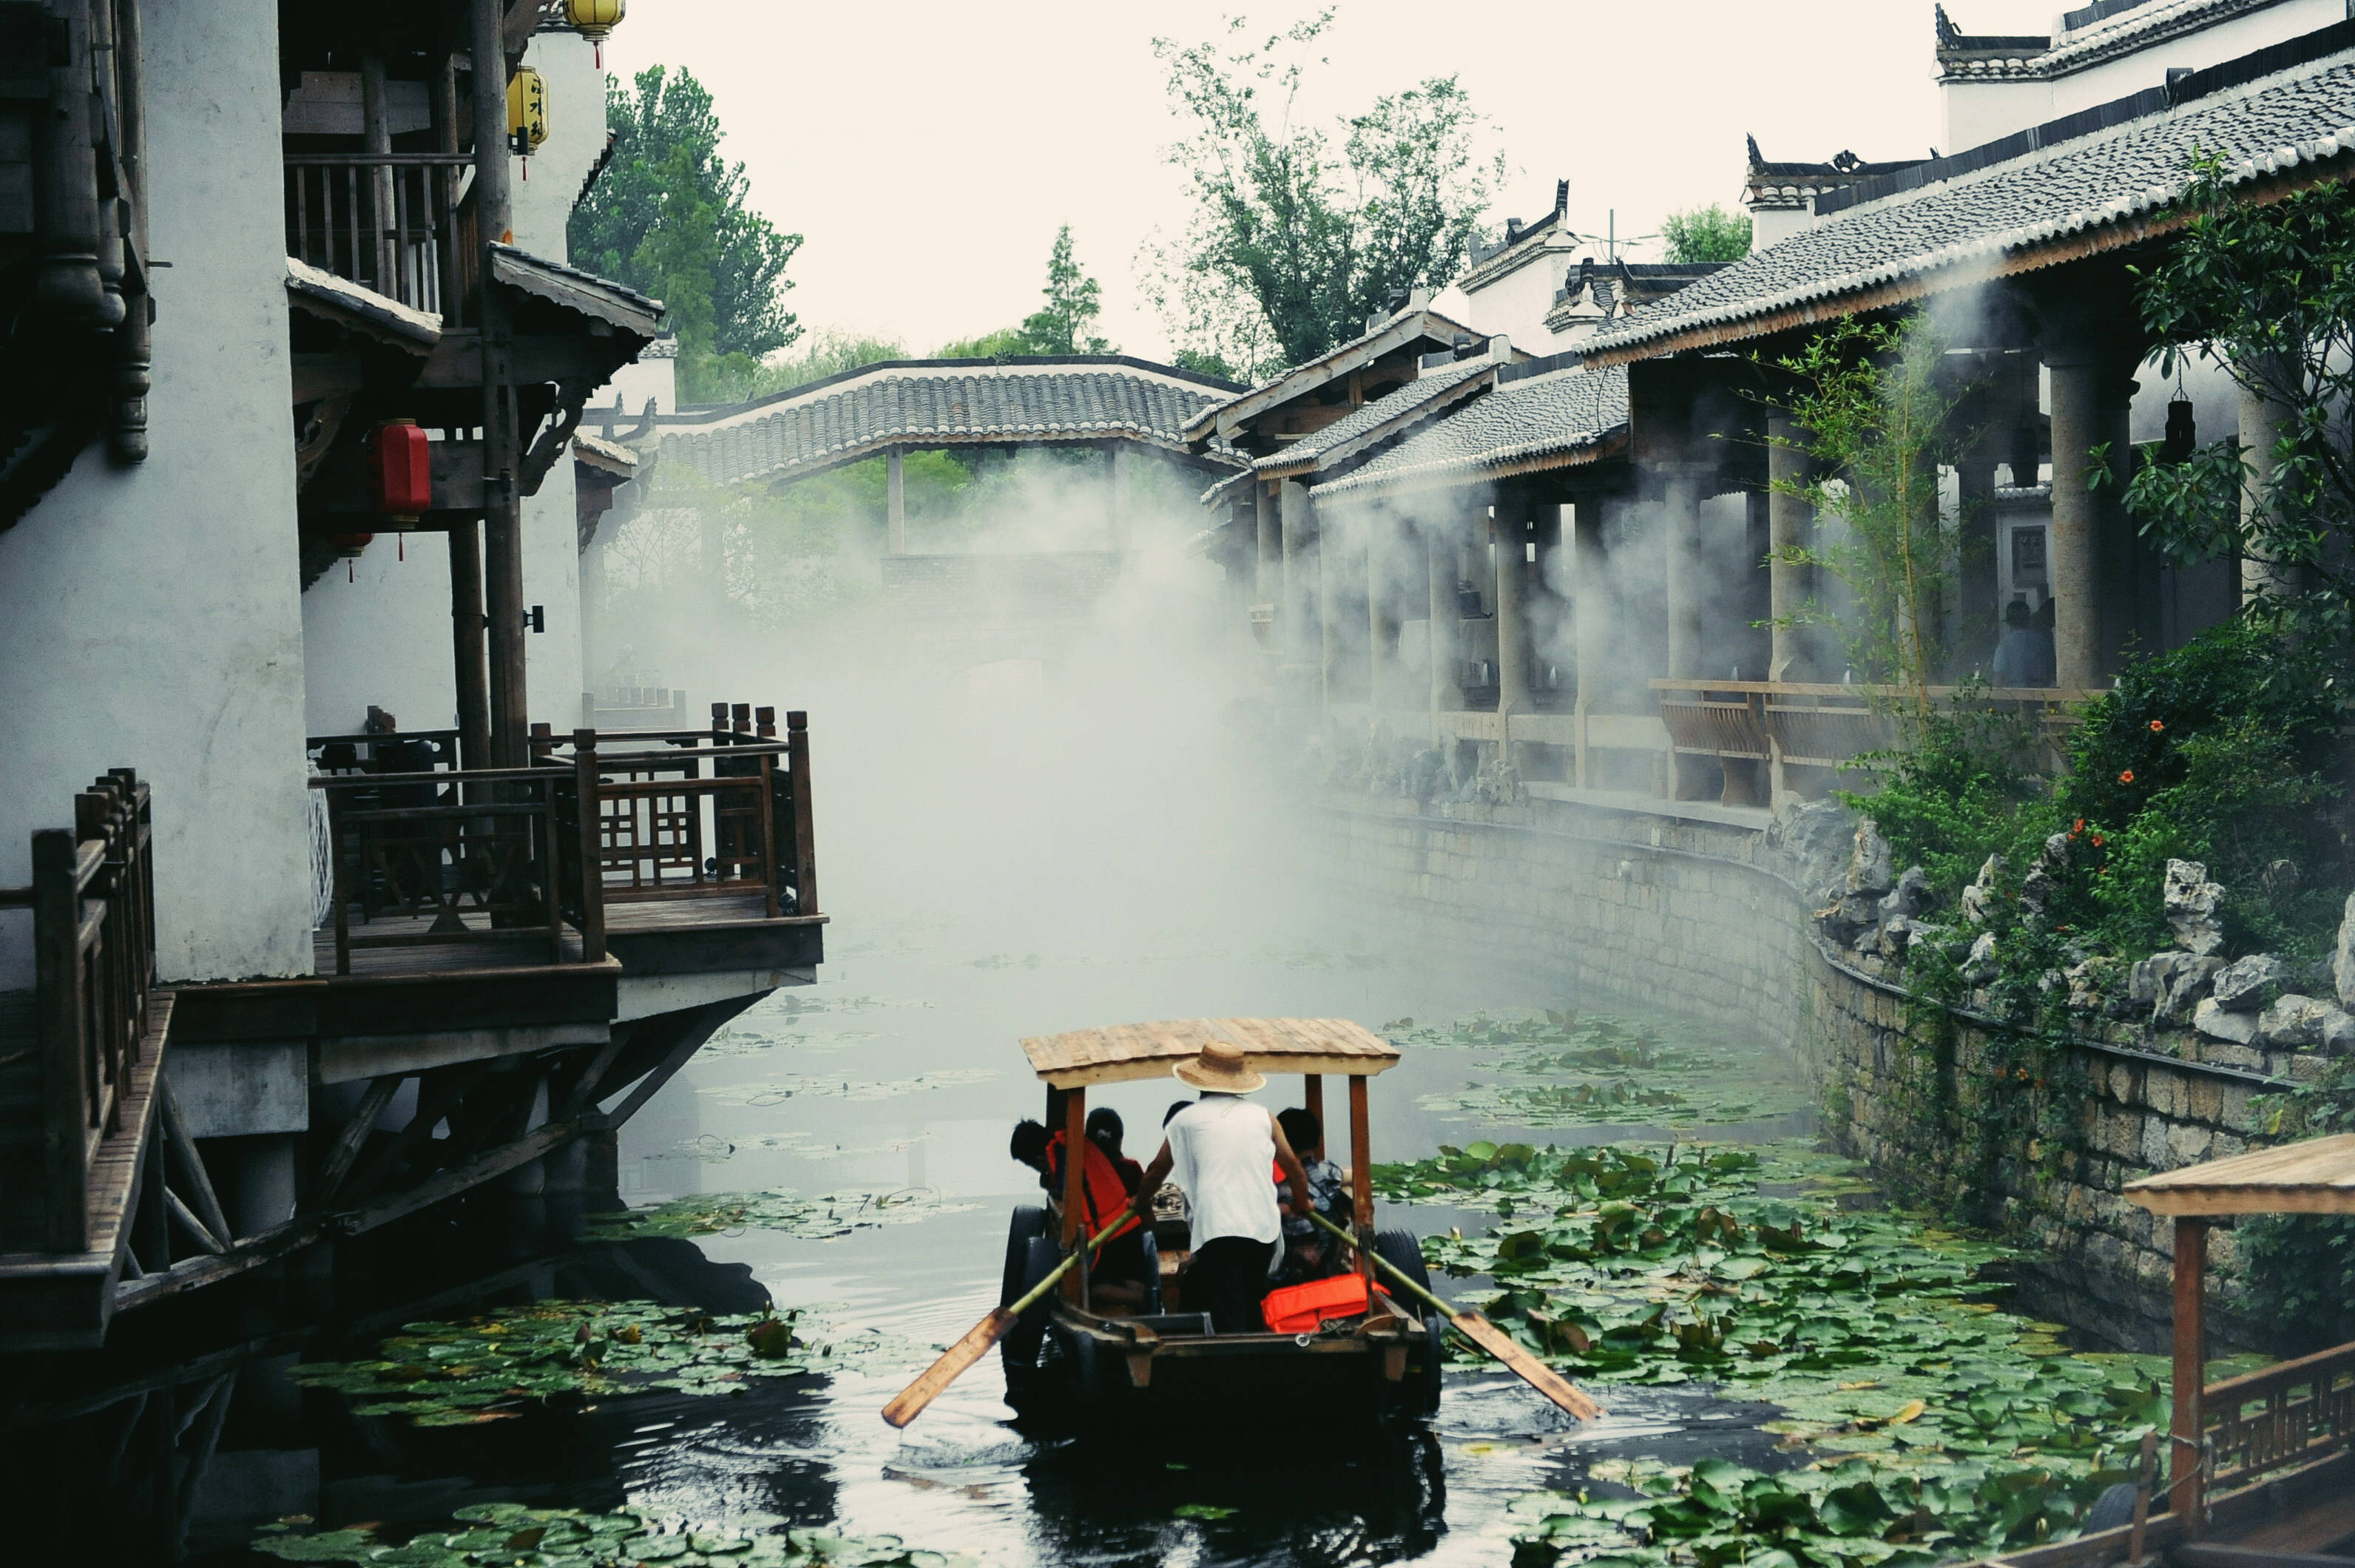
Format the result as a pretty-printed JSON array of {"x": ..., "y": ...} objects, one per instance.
[{"x": 889, "y": 1088}]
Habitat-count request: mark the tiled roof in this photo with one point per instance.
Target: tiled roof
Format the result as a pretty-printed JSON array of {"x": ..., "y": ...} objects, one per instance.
[
  {"x": 1418, "y": 397},
  {"x": 342, "y": 297},
  {"x": 1198, "y": 421},
  {"x": 1567, "y": 412},
  {"x": 617, "y": 303},
  {"x": 2088, "y": 37},
  {"x": 1958, "y": 226},
  {"x": 845, "y": 418}
]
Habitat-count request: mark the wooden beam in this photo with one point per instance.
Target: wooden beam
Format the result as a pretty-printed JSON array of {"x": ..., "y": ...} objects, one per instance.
[
  {"x": 437, "y": 1092},
  {"x": 354, "y": 1136},
  {"x": 190, "y": 1165},
  {"x": 1075, "y": 1168},
  {"x": 648, "y": 1086},
  {"x": 583, "y": 1093},
  {"x": 196, "y": 1228},
  {"x": 2186, "y": 1489},
  {"x": 1312, "y": 1095},
  {"x": 459, "y": 1179},
  {"x": 1361, "y": 1174}
]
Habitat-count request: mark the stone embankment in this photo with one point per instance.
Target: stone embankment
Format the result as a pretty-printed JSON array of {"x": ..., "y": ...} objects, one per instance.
[{"x": 1790, "y": 928}]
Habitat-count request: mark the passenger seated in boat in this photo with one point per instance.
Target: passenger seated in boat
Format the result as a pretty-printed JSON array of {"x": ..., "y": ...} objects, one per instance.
[
  {"x": 1118, "y": 1276},
  {"x": 1309, "y": 1252},
  {"x": 1105, "y": 1131}
]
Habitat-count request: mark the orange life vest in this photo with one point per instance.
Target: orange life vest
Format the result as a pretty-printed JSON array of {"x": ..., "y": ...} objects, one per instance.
[{"x": 1104, "y": 1192}]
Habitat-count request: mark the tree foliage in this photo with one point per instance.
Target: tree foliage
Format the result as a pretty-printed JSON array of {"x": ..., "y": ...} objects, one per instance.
[
  {"x": 669, "y": 217},
  {"x": 1300, "y": 232},
  {"x": 1878, "y": 409},
  {"x": 1706, "y": 234},
  {"x": 1066, "y": 325},
  {"x": 2267, "y": 293}
]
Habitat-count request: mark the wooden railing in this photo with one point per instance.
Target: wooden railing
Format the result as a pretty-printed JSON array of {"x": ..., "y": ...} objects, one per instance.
[
  {"x": 2279, "y": 1416},
  {"x": 388, "y": 221},
  {"x": 507, "y": 855},
  {"x": 93, "y": 903},
  {"x": 668, "y": 829},
  {"x": 1746, "y": 724}
]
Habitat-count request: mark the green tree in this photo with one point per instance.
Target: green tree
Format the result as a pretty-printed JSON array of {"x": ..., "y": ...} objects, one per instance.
[
  {"x": 1296, "y": 238},
  {"x": 1878, "y": 407},
  {"x": 1074, "y": 299},
  {"x": 2267, "y": 293},
  {"x": 668, "y": 216},
  {"x": 1706, "y": 234}
]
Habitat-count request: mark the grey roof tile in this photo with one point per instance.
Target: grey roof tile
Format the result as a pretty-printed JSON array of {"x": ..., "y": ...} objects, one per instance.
[
  {"x": 844, "y": 419},
  {"x": 1563, "y": 412},
  {"x": 1958, "y": 224},
  {"x": 1394, "y": 408}
]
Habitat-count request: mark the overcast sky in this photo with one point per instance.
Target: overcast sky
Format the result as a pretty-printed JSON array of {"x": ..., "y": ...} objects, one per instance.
[{"x": 928, "y": 150}]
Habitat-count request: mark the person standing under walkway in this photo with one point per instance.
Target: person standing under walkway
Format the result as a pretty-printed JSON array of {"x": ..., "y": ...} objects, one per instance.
[{"x": 1218, "y": 1149}]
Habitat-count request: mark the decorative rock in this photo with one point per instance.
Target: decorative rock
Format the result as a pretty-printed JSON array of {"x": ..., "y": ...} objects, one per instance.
[
  {"x": 2191, "y": 902},
  {"x": 2301, "y": 1021},
  {"x": 2036, "y": 888},
  {"x": 1980, "y": 967},
  {"x": 2236, "y": 1028},
  {"x": 2342, "y": 962},
  {"x": 2178, "y": 982},
  {"x": 1979, "y": 896},
  {"x": 1909, "y": 898},
  {"x": 2240, "y": 986},
  {"x": 1871, "y": 866},
  {"x": 2337, "y": 1032},
  {"x": 1850, "y": 917},
  {"x": 1815, "y": 837}
]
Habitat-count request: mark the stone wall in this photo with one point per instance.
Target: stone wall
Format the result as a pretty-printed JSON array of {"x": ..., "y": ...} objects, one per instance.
[{"x": 1687, "y": 911}]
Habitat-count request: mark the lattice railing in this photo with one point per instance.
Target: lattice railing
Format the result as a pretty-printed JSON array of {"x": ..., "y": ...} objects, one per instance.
[{"x": 2279, "y": 1416}]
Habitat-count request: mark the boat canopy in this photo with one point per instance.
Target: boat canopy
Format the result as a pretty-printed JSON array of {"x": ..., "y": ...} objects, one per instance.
[
  {"x": 1125, "y": 1053},
  {"x": 2314, "y": 1177}
]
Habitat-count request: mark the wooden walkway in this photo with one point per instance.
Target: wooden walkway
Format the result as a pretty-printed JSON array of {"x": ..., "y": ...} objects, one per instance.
[{"x": 433, "y": 958}]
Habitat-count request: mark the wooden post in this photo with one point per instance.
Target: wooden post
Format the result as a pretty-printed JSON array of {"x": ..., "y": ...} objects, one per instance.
[
  {"x": 1075, "y": 1170},
  {"x": 771, "y": 874},
  {"x": 466, "y": 629},
  {"x": 2186, "y": 1488},
  {"x": 589, "y": 810},
  {"x": 1312, "y": 1095},
  {"x": 66, "y": 1087},
  {"x": 797, "y": 755},
  {"x": 1361, "y": 1175},
  {"x": 543, "y": 742},
  {"x": 895, "y": 489},
  {"x": 502, "y": 465}
]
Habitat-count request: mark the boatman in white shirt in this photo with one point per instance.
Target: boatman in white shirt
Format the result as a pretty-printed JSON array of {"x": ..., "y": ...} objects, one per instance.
[{"x": 1218, "y": 1150}]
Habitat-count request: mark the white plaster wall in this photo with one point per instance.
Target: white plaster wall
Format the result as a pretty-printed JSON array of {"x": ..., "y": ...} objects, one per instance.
[
  {"x": 152, "y": 612},
  {"x": 1978, "y": 112},
  {"x": 1515, "y": 305},
  {"x": 376, "y": 630},
  {"x": 650, "y": 376},
  {"x": 2210, "y": 46}
]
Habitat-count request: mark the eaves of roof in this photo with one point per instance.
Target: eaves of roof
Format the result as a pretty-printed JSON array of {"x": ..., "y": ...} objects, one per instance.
[
  {"x": 1190, "y": 381},
  {"x": 1546, "y": 234},
  {"x": 2096, "y": 193},
  {"x": 1377, "y": 420},
  {"x": 347, "y": 302},
  {"x": 617, "y": 305},
  {"x": 1406, "y": 327},
  {"x": 610, "y": 455},
  {"x": 1561, "y": 420}
]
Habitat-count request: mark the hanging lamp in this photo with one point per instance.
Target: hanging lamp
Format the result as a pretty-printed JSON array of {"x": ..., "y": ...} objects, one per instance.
[{"x": 592, "y": 19}]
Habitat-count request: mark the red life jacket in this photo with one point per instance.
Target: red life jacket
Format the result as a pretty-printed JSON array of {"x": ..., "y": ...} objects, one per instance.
[{"x": 1104, "y": 1192}]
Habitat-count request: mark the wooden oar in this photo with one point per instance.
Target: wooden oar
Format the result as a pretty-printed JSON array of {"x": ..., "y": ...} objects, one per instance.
[
  {"x": 1487, "y": 1336},
  {"x": 909, "y": 1402}
]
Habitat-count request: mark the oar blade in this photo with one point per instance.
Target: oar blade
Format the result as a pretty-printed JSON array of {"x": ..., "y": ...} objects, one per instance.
[
  {"x": 1534, "y": 1373},
  {"x": 910, "y": 1400}
]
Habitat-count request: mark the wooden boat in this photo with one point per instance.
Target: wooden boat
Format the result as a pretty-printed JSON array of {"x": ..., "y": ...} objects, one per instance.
[{"x": 1164, "y": 1364}]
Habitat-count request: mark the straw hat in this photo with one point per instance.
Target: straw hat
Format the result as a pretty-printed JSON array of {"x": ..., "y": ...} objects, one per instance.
[{"x": 1222, "y": 1069}]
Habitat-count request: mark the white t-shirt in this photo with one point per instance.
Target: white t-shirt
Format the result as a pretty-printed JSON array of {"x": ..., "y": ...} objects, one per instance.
[{"x": 1220, "y": 1150}]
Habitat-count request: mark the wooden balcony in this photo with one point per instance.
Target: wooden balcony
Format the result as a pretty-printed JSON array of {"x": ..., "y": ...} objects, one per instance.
[
  {"x": 391, "y": 222},
  {"x": 99, "y": 1180}
]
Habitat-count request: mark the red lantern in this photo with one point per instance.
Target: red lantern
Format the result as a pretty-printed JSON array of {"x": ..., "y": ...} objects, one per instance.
[{"x": 400, "y": 469}]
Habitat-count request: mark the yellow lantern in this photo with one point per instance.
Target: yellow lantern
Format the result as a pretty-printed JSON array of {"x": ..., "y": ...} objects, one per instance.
[
  {"x": 592, "y": 19},
  {"x": 527, "y": 110}
]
